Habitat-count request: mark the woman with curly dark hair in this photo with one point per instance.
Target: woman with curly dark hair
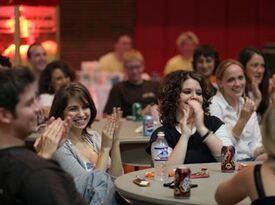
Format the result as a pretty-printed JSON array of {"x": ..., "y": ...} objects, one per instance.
[
  {"x": 193, "y": 136},
  {"x": 55, "y": 75}
]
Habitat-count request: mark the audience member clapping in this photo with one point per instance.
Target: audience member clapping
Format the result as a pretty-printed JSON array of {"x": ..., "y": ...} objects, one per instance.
[
  {"x": 238, "y": 113},
  {"x": 257, "y": 75},
  {"x": 193, "y": 136}
]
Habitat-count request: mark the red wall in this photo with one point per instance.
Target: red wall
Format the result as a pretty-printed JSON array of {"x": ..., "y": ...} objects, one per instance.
[
  {"x": 229, "y": 25},
  {"x": 87, "y": 27},
  {"x": 30, "y": 2}
]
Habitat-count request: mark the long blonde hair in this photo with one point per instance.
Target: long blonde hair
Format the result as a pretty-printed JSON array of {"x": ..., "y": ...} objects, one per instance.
[{"x": 268, "y": 131}]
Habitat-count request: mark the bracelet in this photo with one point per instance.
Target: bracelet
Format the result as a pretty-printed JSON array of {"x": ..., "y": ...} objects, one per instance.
[{"x": 206, "y": 135}]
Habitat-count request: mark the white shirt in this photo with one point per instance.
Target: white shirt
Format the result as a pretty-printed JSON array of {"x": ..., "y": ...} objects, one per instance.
[
  {"x": 250, "y": 138},
  {"x": 46, "y": 99}
]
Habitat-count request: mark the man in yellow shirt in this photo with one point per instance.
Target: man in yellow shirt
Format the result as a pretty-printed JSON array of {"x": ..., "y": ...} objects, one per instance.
[
  {"x": 112, "y": 61},
  {"x": 187, "y": 43}
]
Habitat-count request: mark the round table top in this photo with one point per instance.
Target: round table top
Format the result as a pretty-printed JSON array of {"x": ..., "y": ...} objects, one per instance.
[{"x": 157, "y": 194}]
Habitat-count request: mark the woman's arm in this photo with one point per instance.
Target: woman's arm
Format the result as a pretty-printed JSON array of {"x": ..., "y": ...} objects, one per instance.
[
  {"x": 256, "y": 92},
  {"x": 236, "y": 189},
  {"x": 211, "y": 140},
  {"x": 246, "y": 112},
  {"x": 116, "y": 164},
  {"x": 255, "y": 144},
  {"x": 214, "y": 144},
  {"x": 106, "y": 145},
  {"x": 178, "y": 154}
]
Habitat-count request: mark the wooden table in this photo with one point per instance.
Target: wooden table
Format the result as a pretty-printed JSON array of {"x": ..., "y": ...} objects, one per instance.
[
  {"x": 157, "y": 194},
  {"x": 132, "y": 144}
]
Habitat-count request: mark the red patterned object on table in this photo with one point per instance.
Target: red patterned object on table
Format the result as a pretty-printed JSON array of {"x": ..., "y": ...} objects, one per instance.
[
  {"x": 228, "y": 162},
  {"x": 182, "y": 187}
]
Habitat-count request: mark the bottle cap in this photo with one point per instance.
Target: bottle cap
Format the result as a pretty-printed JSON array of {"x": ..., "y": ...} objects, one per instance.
[{"x": 160, "y": 134}]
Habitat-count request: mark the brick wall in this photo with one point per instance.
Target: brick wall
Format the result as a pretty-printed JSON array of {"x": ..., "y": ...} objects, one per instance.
[{"x": 87, "y": 27}]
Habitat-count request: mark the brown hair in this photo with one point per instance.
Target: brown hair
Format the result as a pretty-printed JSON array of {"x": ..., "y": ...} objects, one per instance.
[
  {"x": 268, "y": 131},
  {"x": 64, "y": 94},
  {"x": 132, "y": 55},
  {"x": 170, "y": 91},
  {"x": 187, "y": 36},
  {"x": 31, "y": 46},
  {"x": 224, "y": 65}
]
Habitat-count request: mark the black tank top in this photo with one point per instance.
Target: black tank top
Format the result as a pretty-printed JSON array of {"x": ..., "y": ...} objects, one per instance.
[{"x": 263, "y": 199}]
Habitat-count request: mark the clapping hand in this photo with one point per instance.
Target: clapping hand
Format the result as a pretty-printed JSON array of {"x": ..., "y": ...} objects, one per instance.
[
  {"x": 256, "y": 91},
  {"x": 108, "y": 132},
  {"x": 54, "y": 134},
  {"x": 111, "y": 128},
  {"x": 117, "y": 114},
  {"x": 198, "y": 113},
  {"x": 247, "y": 109},
  {"x": 186, "y": 128}
]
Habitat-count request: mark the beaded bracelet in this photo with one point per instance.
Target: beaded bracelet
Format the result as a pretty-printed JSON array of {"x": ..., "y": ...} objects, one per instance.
[{"x": 206, "y": 135}]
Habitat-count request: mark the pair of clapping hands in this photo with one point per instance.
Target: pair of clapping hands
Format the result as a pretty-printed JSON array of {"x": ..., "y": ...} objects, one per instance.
[
  {"x": 248, "y": 108},
  {"x": 111, "y": 129},
  {"x": 54, "y": 133},
  {"x": 192, "y": 115}
]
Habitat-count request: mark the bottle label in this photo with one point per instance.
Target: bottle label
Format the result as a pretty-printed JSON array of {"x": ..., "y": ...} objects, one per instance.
[{"x": 160, "y": 153}]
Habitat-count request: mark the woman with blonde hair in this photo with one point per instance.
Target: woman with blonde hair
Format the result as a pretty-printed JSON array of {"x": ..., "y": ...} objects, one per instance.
[{"x": 186, "y": 43}]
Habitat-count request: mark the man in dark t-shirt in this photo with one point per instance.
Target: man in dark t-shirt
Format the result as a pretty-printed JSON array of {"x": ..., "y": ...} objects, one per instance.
[
  {"x": 26, "y": 178},
  {"x": 134, "y": 89}
]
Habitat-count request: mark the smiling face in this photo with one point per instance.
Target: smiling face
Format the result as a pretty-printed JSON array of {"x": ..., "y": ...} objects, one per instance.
[
  {"x": 79, "y": 112},
  {"x": 205, "y": 65},
  {"x": 255, "y": 68},
  {"x": 191, "y": 90},
  {"x": 232, "y": 83},
  {"x": 58, "y": 79},
  {"x": 25, "y": 121},
  {"x": 38, "y": 58}
]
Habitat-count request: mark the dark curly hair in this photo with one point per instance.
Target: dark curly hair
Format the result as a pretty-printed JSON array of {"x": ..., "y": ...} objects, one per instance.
[
  {"x": 169, "y": 94},
  {"x": 206, "y": 51},
  {"x": 46, "y": 75}
]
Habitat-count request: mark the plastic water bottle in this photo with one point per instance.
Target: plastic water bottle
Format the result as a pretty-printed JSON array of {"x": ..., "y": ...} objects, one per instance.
[{"x": 159, "y": 151}]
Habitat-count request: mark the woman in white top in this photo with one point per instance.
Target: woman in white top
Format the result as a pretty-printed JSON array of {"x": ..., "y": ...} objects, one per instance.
[{"x": 238, "y": 113}]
